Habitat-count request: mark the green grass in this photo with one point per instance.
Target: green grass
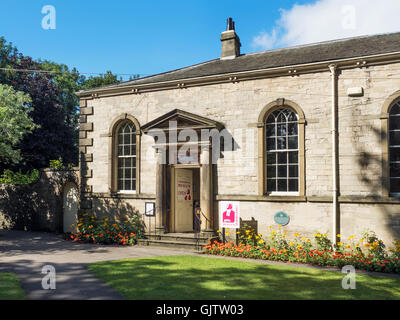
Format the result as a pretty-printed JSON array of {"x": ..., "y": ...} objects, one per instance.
[
  {"x": 197, "y": 278},
  {"x": 10, "y": 288}
]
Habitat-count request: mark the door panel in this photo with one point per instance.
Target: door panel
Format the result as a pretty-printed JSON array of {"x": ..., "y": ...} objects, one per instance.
[{"x": 183, "y": 200}]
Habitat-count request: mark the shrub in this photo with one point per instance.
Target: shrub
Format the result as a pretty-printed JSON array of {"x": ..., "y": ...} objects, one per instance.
[
  {"x": 10, "y": 177},
  {"x": 107, "y": 231},
  {"x": 368, "y": 253}
]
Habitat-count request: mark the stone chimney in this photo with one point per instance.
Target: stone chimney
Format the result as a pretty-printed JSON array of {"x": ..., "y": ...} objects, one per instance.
[{"x": 230, "y": 41}]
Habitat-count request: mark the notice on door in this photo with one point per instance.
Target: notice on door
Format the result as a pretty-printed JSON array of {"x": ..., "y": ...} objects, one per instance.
[
  {"x": 229, "y": 214},
  {"x": 184, "y": 190}
]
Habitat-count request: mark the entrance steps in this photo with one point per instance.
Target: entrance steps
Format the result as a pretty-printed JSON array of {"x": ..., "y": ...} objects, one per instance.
[{"x": 188, "y": 241}]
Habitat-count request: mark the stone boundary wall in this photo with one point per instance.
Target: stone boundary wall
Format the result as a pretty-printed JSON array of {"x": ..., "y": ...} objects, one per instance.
[{"x": 39, "y": 205}]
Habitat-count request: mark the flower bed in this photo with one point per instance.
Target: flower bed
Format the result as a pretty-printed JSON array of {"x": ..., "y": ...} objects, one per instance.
[
  {"x": 106, "y": 231},
  {"x": 369, "y": 253}
]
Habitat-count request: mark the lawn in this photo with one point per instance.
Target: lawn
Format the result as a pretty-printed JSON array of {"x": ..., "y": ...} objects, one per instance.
[
  {"x": 10, "y": 288},
  {"x": 198, "y": 278}
]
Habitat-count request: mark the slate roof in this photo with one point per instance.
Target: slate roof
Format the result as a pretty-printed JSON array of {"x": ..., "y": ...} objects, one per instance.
[{"x": 317, "y": 52}]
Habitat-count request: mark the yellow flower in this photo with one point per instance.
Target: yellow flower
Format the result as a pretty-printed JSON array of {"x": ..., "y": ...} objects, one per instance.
[
  {"x": 375, "y": 243},
  {"x": 105, "y": 224},
  {"x": 308, "y": 240},
  {"x": 219, "y": 231},
  {"x": 291, "y": 243},
  {"x": 261, "y": 241},
  {"x": 357, "y": 246},
  {"x": 340, "y": 244},
  {"x": 348, "y": 246},
  {"x": 227, "y": 233},
  {"x": 303, "y": 238},
  {"x": 318, "y": 235},
  {"x": 367, "y": 245},
  {"x": 296, "y": 235},
  {"x": 351, "y": 237},
  {"x": 90, "y": 227},
  {"x": 284, "y": 250},
  {"x": 339, "y": 235},
  {"x": 299, "y": 246},
  {"x": 106, "y": 219},
  {"x": 238, "y": 232}
]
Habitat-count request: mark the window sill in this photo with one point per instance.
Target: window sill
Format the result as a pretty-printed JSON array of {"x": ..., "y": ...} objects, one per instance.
[
  {"x": 266, "y": 198},
  {"x": 124, "y": 195}
]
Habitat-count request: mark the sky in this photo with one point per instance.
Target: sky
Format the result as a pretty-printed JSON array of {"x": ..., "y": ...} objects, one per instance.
[{"x": 148, "y": 37}]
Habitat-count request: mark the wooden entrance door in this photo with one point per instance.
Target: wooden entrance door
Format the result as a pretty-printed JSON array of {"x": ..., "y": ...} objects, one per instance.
[{"x": 183, "y": 200}]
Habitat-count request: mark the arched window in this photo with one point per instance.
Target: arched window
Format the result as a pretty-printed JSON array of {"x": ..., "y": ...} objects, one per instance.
[
  {"x": 282, "y": 150},
  {"x": 281, "y": 129},
  {"x": 124, "y": 158},
  {"x": 394, "y": 148}
]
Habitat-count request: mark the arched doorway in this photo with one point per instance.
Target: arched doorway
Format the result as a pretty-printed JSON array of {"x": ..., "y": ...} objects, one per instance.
[{"x": 70, "y": 207}]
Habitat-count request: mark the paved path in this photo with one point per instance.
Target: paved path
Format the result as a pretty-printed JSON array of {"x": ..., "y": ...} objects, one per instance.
[{"x": 25, "y": 253}]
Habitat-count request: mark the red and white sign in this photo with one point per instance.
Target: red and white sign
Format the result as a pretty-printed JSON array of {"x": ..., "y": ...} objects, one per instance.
[
  {"x": 229, "y": 214},
  {"x": 184, "y": 190}
]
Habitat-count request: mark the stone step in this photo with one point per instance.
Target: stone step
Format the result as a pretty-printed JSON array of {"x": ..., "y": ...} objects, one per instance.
[
  {"x": 177, "y": 237},
  {"x": 188, "y": 245}
]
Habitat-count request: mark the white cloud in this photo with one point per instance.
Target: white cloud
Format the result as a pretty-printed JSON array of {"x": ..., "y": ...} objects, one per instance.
[{"x": 330, "y": 19}]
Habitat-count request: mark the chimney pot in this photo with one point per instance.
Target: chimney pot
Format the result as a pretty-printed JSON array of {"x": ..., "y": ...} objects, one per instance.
[{"x": 230, "y": 42}]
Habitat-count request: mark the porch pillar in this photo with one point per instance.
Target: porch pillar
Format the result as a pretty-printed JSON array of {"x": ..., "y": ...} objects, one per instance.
[
  {"x": 160, "y": 191},
  {"x": 206, "y": 199}
]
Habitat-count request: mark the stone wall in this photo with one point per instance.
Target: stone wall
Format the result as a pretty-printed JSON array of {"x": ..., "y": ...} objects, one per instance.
[
  {"x": 37, "y": 206},
  {"x": 237, "y": 106}
]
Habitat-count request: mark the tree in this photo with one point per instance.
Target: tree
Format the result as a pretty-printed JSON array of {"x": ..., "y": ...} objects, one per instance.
[
  {"x": 103, "y": 80},
  {"x": 54, "y": 105},
  {"x": 55, "y": 137},
  {"x": 15, "y": 123}
]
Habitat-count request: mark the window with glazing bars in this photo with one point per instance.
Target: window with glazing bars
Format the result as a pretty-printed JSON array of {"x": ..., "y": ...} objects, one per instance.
[
  {"x": 282, "y": 152},
  {"x": 394, "y": 148},
  {"x": 127, "y": 157}
]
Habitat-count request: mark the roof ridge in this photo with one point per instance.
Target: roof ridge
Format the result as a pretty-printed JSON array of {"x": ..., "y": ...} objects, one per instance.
[{"x": 322, "y": 42}]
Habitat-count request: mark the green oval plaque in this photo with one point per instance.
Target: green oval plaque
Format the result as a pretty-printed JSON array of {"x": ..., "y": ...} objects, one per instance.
[{"x": 281, "y": 218}]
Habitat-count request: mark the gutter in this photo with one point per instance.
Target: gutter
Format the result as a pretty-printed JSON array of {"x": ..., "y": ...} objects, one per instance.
[{"x": 334, "y": 110}]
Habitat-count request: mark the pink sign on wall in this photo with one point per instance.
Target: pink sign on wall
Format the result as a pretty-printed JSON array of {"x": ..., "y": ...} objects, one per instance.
[
  {"x": 229, "y": 214},
  {"x": 184, "y": 190}
]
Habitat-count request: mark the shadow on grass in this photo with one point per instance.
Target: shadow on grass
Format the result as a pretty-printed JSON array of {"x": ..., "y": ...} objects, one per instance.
[{"x": 200, "y": 278}]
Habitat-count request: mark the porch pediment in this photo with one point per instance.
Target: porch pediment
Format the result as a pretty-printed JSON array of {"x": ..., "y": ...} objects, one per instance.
[{"x": 184, "y": 120}]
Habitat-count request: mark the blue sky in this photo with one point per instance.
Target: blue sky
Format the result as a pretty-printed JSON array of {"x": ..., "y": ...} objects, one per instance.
[{"x": 148, "y": 37}]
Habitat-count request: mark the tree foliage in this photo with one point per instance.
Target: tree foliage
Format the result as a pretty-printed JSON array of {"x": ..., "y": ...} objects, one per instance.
[
  {"x": 15, "y": 123},
  {"x": 103, "y": 80},
  {"x": 54, "y": 106}
]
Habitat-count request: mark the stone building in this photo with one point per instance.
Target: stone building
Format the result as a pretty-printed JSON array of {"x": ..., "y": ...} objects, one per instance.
[{"x": 312, "y": 130}]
